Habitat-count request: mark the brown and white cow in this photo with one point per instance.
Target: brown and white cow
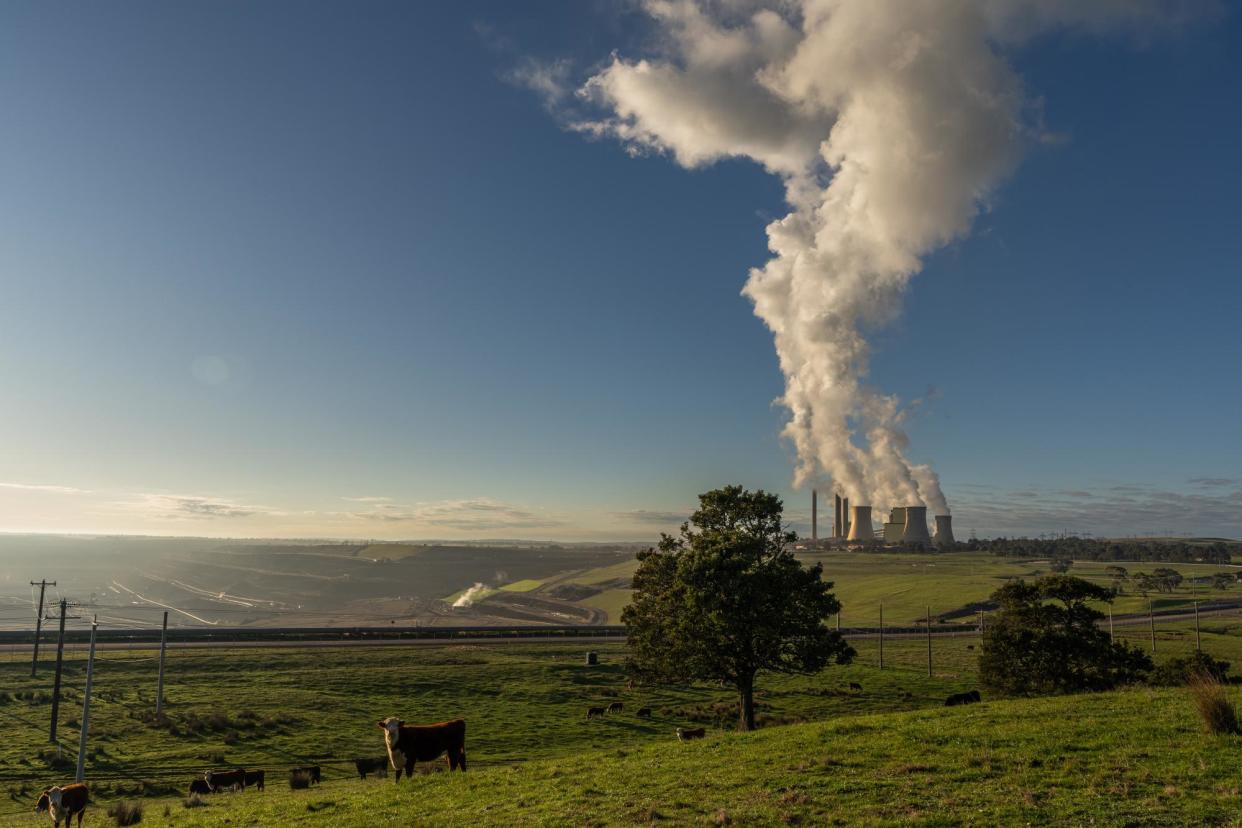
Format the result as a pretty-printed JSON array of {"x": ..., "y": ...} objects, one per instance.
[
  {"x": 64, "y": 803},
  {"x": 685, "y": 734},
  {"x": 218, "y": 780},
  {"x": 408, "y": 744}
]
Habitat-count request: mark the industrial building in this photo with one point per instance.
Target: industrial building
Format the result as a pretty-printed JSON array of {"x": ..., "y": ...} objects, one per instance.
[{"x": 906, "y": 525}]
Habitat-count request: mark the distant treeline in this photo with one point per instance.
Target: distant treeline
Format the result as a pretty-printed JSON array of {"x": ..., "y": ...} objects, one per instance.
[{"x": 1088, "y": 549}]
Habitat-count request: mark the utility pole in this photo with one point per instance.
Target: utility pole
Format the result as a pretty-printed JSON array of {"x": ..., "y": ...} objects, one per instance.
[
  {"x": 881, "y": 635},
  {"x": 1197, "y": 647},
  {"x": 838, "y": 620},
  {"x": 929, "y": 654},
  {"x": 1110, "y": 624},
  {"x": 42, "y": 585},
  {"x": 981, "y": 623},
  {"x": 86, "y": 705},
  {"x": 159, "y": 688},
  {"x": 1151, "y": 619},
  {"x": 60, "y": 654}
]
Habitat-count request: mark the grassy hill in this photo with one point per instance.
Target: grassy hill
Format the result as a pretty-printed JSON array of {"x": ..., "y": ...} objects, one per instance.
[{"x": 1136, "y": 757}]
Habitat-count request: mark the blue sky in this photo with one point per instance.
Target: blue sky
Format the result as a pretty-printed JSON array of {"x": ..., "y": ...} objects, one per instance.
[{"x": 288, "y": 269}]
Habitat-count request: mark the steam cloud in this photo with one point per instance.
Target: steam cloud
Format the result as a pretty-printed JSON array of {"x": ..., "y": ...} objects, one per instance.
[
  {"x": 467, "y": 598},
  {"x": 890, "y": 123}
]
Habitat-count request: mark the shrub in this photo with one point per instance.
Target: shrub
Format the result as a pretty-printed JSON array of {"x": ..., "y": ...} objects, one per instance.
[
  {"x": 1179, "y": 671},
  {"x": 299, "y": 780},
  {"x": 126, "y": 813},
  {"x": 193, "y": 801},
  {"x": 1212, "y": 704},
  {"x": 1045, "y": 639}
]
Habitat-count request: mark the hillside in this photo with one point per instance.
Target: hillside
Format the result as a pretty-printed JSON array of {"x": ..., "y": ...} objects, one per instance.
[{"x": 1131, "y": 757}]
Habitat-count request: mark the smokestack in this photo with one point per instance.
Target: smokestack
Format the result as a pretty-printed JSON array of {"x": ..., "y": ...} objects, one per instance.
[
  {"x": 845, "y": 517},
  {"x": 944, "y": 530},
  {"x": 916, "y": 526},
  {"x": 836, "y": 520},
  {"x": 815, "y": 515},
  {"x": 860, "y": 524}
]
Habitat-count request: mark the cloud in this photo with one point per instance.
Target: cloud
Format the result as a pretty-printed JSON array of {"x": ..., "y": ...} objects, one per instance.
[
  {"x": 1215, "y": 482},
  {"x": 479, "y": 514},
  {"x": 367, "y": 499},
  {"x": 549, "y": 79},
  {"x": 43, "y": 487},
  {"x": 649, "y": 516},
  {"x": 194, "y": 507},
  {"x": 1111, "y": 511}
]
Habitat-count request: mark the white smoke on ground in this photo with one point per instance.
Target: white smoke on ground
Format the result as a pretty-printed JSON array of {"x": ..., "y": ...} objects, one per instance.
[
  {"x": 890, "y": 123},
  {"x": 467, "y": 598}
]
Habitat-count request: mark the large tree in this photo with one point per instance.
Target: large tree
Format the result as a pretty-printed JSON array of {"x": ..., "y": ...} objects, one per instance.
[
  {"x": 726, "y": 600},
  {"x": 1044, "y": 638}
]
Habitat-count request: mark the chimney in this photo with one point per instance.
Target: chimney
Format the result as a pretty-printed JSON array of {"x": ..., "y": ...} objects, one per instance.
[
  {"x": 860, "y": 524},
  {"x": 845, "y": 517},
  {"x": 837, "y": 524},
  {"x": 944, "y": 530},
  {"x": 815, "y": 515},
  {"x": 916, "y": 526}
]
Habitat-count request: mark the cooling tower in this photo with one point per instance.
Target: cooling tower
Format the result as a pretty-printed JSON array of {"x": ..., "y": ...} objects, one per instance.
[
  {"x": 944, "y": 530},
  {"x": 860, "y": 524},
  {"x": 916, "y": 526}
]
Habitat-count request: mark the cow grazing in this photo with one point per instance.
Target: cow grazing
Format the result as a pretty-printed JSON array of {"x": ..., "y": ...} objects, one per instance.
[
  {"x": 644, "y": 712},
  {"x": 218, "y": 780},
  {"x": 408, "y": 744},
  {"x": 312, "y": 771},
  {"x": 592, "y": 712},
  {"x": 254, "y": 778},
  {"x": 64, "y": 803},
  {"x": 969, "y": 697},
  {"x": 378, "y": 766},
  {"x": 685, "y": 734},
  {"x": 616, "y": 707},
  {"x": 199, "y": 786}
]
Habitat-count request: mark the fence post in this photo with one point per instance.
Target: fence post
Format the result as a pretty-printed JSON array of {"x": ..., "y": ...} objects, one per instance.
[
  {"x": 981, "y": 623},
  {"x": 86, "y": 705},
  {"x": 881, "y": 635},
  {"x": 929, "y": 646},
  {"x": 159, "y": 687}
]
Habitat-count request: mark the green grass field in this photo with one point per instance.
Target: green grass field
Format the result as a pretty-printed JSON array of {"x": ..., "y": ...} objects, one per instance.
[
  {"x": 908, "y": 584},
  {"x": 888, "y": 754}
]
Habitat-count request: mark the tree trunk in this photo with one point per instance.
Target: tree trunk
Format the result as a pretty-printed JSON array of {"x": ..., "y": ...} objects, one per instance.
[{"x": 746, "y": 702}]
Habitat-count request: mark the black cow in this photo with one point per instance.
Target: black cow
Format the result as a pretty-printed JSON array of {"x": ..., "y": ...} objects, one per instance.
[
  {"x": 255, "y": 778},
  {"x": 199, "y": 786},
  {"x": 644, "y": 712},
  {"x": 616, "y": 707},
  {"x": 378, "y": 766},
  {"x": 969, "y": 697},
  {"x": 218, "y": 780},
  {"x": 592, "y": 712}
]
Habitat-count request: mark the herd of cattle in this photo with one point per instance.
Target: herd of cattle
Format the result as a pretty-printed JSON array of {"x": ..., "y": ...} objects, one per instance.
[{"x": 406, "y": 744}]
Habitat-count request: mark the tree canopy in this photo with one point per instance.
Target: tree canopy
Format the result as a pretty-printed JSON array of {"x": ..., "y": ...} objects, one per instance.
[
  {"x": 1044, "y": 639},
  {"x": 726, "y": 600}
]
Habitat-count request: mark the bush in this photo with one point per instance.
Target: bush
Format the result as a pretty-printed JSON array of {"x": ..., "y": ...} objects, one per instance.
[
  {"x": 193, "y": 801},
  {"x": 1180, "y": 671},
  {"x": 299, "y": 780},
  {"x": 1213, "y": 705},
  {"x": 1045, "y": 639},
  {"x": 126, "y": 813}
]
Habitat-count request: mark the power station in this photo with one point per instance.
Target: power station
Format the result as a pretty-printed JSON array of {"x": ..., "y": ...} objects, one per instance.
[{"x": 906, "y": 526}]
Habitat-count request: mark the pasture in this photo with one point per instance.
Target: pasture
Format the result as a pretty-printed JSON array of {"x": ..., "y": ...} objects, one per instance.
[{"x": 525, "y": 706}]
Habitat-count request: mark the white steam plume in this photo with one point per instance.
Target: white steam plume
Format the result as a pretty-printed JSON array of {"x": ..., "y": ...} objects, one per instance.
[
  {"x": 890, "y": 123},
  {"x": 467, "y": 598}
]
